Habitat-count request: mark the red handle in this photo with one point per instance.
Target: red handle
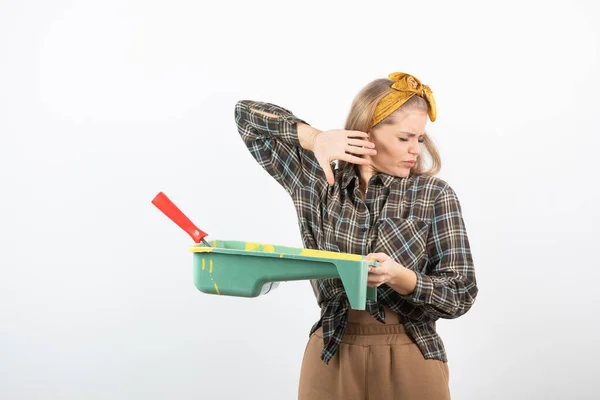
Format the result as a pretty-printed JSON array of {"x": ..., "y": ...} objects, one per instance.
[{"x": 164, "y": 204}]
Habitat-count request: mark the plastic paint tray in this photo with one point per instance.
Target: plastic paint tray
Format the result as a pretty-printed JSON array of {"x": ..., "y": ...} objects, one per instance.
[{"x": 246, "y": 269}]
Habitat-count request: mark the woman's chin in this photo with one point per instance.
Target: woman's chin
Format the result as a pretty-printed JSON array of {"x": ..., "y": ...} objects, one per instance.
[
  {"x": 399, "y": 171},
  {"x": 402, "y": 172}
]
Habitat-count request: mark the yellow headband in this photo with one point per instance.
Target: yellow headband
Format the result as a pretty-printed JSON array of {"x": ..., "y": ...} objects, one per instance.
[{"x": 406, "y": 87}]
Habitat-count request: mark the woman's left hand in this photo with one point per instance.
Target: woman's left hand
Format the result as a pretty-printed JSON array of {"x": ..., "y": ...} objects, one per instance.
[{"x": 400, "y": 278}]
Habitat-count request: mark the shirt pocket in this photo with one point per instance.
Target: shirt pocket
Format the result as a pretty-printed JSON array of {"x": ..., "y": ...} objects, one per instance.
[{"x": 405, "y": 240}]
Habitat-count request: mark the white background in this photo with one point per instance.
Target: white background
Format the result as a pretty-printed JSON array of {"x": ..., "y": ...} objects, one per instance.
[{"x": 105, "y": 103}]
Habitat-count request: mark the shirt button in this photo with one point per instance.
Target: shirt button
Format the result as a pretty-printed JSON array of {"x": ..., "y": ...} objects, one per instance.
[{"x": 364, "y": 228}]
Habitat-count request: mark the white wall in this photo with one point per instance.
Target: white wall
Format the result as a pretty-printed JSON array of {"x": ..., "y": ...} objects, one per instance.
[{"x": 105, "y": 103}]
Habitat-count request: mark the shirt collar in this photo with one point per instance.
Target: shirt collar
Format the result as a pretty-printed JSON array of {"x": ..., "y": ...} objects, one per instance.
[{"x": 350, "y": 173}]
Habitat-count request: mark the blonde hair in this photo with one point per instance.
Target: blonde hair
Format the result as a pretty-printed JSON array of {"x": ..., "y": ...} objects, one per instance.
[{"x": 361, "y": 115}]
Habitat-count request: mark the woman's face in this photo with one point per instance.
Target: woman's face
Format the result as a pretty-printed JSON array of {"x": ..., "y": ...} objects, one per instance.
[{"x": 398, "y": 144}]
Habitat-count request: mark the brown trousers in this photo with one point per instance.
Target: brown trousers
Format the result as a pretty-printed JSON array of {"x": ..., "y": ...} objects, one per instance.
[{"x": 373, "y": 362}]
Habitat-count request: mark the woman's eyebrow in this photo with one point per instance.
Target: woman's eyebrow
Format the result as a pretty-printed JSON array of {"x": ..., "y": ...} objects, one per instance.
[{"x": 411, "y": 134}]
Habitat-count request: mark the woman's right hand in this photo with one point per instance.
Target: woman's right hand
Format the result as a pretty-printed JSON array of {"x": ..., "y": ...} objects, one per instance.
[{"x": 340, "y": 144}]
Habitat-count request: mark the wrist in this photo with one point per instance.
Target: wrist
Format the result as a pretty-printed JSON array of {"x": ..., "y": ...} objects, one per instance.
[
  {"x": 405, "y": 281},
  {"x": 307, "y": 135}
]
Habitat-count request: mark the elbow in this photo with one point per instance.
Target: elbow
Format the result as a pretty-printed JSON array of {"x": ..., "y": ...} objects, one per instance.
[
  {"x": 241, "y": 118},
  {"x": 463, "y": 302},
  {"x": 240, "y": 106}
]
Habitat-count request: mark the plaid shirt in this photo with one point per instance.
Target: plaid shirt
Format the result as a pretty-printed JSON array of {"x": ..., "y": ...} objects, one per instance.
[{"x": 415, "y": 220}]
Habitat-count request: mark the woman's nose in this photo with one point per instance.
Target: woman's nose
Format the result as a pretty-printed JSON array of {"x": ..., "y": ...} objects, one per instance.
[{"x": 415, "y": 148}]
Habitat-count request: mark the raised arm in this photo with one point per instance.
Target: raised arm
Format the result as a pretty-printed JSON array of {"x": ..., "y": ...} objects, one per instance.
[
  {"x": 292, "y": 151},
  {"x": 280, "y": 142}
]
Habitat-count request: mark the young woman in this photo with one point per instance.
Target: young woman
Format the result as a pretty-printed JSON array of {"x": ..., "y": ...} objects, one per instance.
[{"x": 378, "y": 199}]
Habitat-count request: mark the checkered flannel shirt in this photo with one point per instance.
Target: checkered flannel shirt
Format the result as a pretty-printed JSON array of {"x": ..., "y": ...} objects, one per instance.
[{"x": 416, "y": 220}]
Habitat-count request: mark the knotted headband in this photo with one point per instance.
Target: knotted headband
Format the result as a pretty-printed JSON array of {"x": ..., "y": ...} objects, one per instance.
[{"x": 406, "y": 86}]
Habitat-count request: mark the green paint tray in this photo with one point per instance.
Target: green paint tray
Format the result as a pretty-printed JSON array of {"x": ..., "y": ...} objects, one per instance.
[{"x": 246, "y": 269}]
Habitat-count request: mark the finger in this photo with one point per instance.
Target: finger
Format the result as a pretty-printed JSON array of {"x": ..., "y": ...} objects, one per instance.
[
  {"x": 376, "y": 256},
  {"x": 376, "y": 280},
  {"x": 362, "y": 134},
  {"x": 354, "y": 160},
  {"x": 360, "y": 150},
  {"x": 326, "y": 170},
  {"x": 328, "y": 174},
  {"x": 382, "y": 257},
  {"x": 363, "y": 143},
  {"x": 376, "y": 270}
]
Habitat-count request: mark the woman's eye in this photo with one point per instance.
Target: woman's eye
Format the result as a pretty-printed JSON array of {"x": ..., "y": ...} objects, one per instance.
[{"x": 422, "y": 140}]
